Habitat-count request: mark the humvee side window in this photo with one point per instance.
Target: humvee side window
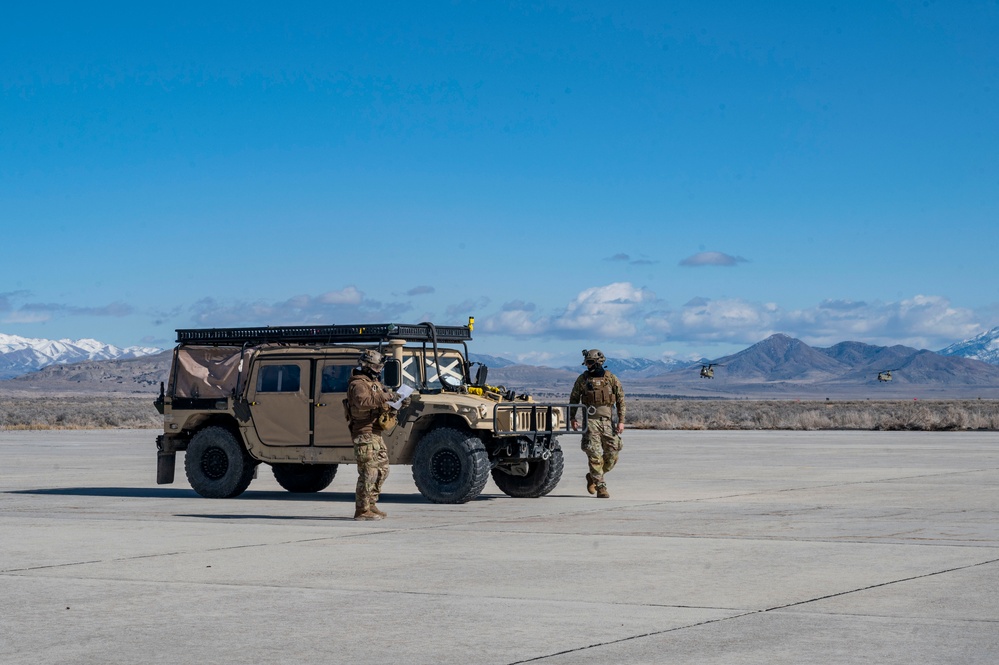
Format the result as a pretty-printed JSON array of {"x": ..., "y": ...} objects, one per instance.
[
  {"x": 412, "y": 376},
  {"x": 450, "y": 367},
  {"x": 279, "y": 379},
  {"x": 411, "y": 372},
  {"x": 336, "y": 378}
]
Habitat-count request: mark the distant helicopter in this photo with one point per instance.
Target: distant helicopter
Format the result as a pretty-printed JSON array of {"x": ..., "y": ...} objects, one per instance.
[
  {"x": 708, "y": 371},
  {"x": 885, "y": 376}
]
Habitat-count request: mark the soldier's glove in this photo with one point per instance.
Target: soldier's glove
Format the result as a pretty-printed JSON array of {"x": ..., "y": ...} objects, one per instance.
[{"x": 406, "y": 402}]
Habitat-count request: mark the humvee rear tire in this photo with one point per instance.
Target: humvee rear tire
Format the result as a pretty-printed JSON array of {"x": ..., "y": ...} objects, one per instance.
[
  {"x": 304, "y": 478},
  {"x": 542, "y": 477},
  {"x": 217, "y": 465},
  {"x": 450, "y": 466}
]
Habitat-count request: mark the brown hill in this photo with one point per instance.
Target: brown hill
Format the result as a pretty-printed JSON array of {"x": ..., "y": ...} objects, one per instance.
[{"x": 134, "y": 375}]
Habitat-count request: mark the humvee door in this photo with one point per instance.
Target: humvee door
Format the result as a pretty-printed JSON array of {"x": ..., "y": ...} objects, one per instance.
[
  {"x": 279, "y": 401},
  {"x": 332, "y": 377}
]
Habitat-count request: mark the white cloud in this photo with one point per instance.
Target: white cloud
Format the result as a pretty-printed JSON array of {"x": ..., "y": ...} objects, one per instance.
[
  {"x": 466, "y": 308},
  {"x": 36, "y": 312},
  {"x": 346, "y": 296},
  {"x": 625, "y": 314},
  {"x": 345, "y": 306},
  {"x": 728, "y": 319},
  {"x": 603, "y": 312},
  {"x": 517, "y": 318},
  {"x": 21, "y": 316},
  {"x": 517, "y": 322},
  {"x": 621, "y": 257},
  {"x": 711, "y": 259},
  {"x": 922, "y": 321},
  {"x": 611, "y": 311}
]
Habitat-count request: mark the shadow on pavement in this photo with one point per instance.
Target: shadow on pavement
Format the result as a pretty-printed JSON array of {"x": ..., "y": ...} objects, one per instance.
[{"x": 171, "y": 493}]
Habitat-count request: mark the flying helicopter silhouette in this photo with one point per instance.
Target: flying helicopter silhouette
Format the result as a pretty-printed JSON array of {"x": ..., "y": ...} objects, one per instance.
[
  {"x": 708, "y": 371},
  {"x": 885, "y": 376}
]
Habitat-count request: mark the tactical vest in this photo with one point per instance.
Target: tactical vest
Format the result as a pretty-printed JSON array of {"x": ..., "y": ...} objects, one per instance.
[
  {"x": 597, "y": 391},
  {"x": 354, "y": 413},
  {"x": 381, "y": 419}
]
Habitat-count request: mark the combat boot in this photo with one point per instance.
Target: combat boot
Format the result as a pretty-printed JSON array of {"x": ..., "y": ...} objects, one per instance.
[
  {"x": 602, "y": 493},
  {"x": 362, "y": 514},
  {"x": 591, "y": 485},
  {"x": 378, "y": 511}
]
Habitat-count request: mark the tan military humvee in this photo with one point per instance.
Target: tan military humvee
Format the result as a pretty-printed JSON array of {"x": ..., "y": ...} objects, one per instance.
[{"x": 241, "y": 396}]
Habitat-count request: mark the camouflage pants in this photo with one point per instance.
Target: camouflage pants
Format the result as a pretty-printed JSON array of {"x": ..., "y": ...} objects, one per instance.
[
  {"x": 601, "y": 445},
  {"x": 372, "y": 469}
]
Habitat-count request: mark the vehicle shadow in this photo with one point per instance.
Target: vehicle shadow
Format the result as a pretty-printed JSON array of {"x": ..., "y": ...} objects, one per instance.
[{"x": 249, "y": 495}]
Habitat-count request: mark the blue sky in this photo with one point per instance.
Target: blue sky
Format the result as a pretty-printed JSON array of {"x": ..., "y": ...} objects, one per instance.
[{"x": 655, "y": 179}]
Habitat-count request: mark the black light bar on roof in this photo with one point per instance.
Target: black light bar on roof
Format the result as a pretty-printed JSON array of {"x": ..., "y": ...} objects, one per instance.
[{"x": 376, "y": 332}]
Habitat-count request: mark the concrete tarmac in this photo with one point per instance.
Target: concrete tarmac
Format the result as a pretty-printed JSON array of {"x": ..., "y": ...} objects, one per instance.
[{"x": 716, "y": 547}]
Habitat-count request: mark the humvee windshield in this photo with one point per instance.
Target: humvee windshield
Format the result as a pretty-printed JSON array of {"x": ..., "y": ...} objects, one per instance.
[{"x": 417, "y": 364}]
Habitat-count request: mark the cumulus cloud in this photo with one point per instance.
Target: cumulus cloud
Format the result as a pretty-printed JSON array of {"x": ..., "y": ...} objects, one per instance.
[
  {"x": 38, "y": 312},
  {"x": 348, "y": 305},
  {"x": 625, "y": 258},
  {"x": 624, "y": 313},
  {"x": 605, "y": 312},
  {"x": 922, "y": 322},
  {"x": 712, "y": 259},
  {"x": 346, "y": 296},
  {"x": 517, "y": 322},
  {"x": 519, "y": 305},
  {"x": 7, "y": 299},
  {"x": 466, "y": 308}
]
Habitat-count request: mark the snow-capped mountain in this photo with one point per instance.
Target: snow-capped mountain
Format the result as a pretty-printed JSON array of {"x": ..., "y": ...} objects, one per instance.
[
  {"x": 21, "y": 355},
  {"x": 984, "y": 347},
  {"x": 638, "y": 367}
]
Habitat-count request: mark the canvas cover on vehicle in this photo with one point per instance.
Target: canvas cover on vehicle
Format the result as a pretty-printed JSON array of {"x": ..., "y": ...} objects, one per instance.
[{"x": 206, "y": 371}]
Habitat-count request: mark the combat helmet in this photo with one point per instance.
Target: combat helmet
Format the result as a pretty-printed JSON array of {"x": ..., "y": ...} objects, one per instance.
[
  {"x": 593, "y": 356},
  {"x": 371, "y": 360}
]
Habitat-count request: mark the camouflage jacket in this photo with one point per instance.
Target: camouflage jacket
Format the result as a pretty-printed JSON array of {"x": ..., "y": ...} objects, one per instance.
[
  {"x": 366, "y": 399},
  {"x": 579, "y": 391}
]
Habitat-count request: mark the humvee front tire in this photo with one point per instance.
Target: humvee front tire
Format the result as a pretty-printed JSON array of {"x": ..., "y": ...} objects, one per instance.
[
  {"x": 217, "y": 465},
  {"x": 304, "y": 478},
  {"x": 450, "y": 466},
  {"x": 542, "y": 477}
]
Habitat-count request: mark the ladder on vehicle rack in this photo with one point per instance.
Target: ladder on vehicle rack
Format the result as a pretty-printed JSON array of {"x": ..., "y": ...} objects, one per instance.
[{"x": 376, "y": 332}]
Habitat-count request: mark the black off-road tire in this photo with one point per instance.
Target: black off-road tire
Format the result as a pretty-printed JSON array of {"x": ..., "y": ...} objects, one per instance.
[
  {"x": 217, "y": 465},
  {"x": 304, "y": 478},
  {"x": 542, "y": 477},
  {"x": 450, "y": 466}
]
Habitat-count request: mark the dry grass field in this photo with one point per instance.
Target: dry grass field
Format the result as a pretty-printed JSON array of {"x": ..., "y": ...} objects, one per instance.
[
  {"x": 23, "y": 412},
  {"x": 78, "y": 412},
  {"x": 921, "y": 415}
]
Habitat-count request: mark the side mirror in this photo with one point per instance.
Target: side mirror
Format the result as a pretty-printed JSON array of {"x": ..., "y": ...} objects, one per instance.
[
  {"x": 480, "y": 376},
  {"x": 392, "y": 373}
]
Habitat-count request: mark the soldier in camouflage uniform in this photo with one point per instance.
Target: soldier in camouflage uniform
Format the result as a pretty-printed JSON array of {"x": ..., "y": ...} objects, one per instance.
[
  {"x": 367, "y": 400},
  {"x": 600, "y": 391}
]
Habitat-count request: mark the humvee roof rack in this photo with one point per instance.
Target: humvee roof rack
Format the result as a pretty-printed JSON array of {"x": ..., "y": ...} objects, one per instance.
[{"x": 422, "y": 332}]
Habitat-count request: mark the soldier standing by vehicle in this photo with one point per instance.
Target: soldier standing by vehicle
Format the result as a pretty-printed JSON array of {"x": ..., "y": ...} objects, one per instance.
[
  {"x": 599, "y": 391},
  {"x": 369, "y": 414}
]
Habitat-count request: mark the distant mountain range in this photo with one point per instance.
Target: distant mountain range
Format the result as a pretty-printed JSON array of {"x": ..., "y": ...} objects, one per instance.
[
  {"x": 779, "y": 367},
  {"x": 782, "y": 367},
  {"x": 21, "y": 355}
]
